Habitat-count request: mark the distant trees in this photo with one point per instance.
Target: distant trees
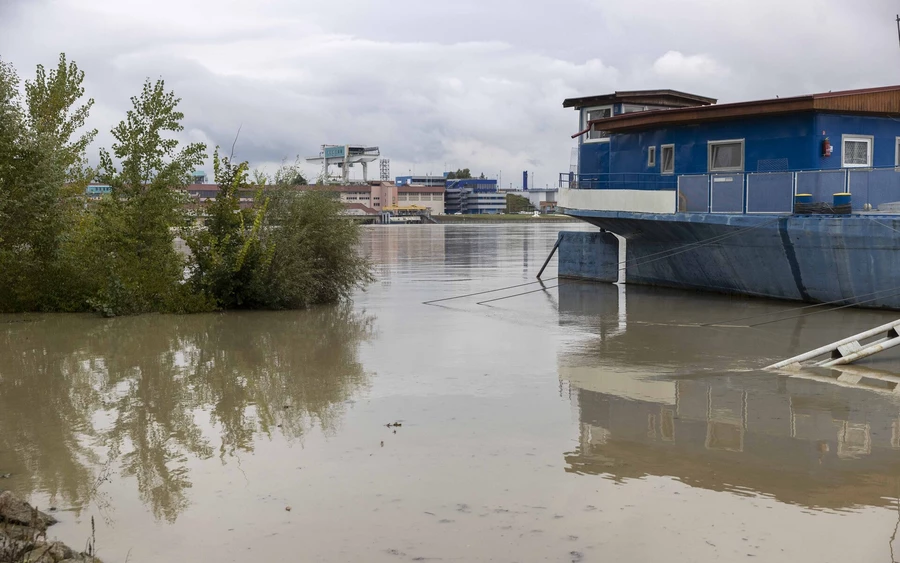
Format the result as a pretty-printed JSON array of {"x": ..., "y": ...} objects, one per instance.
[
  {"x": 461, "y": 174},
  {"x": 516, "y": 203},
  {"x": 60, "y": 252}
]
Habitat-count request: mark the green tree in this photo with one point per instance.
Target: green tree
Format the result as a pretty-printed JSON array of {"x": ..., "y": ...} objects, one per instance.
[
  {"x": 12, "y": 133},
  {"x": 130, "y": 257},
  {"x": 461, "y": 174},
  {"x": 43, "y": 172},
  {"x": 516, "y": 203}
]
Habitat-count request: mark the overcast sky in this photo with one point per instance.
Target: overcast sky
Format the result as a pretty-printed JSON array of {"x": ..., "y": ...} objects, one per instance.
[{"x": 469, "y": 83}]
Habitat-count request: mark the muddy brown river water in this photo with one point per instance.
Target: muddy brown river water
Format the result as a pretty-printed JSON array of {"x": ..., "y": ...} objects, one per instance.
[{"x": 584, "y": 423}]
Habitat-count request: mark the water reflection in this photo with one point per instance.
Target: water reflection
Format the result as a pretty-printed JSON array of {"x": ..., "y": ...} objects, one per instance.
[
  {"x": 829, "y": 440},
  {"x": 147, "y": 395}
]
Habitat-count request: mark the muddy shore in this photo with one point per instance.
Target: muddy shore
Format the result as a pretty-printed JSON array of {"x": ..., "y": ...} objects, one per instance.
[{"x": 23, "y": 536}]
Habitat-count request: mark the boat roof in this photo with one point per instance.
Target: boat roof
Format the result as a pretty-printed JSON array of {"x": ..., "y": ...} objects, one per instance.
[
  {"x": 882, "y": 101},
  {"x": 665, "y": 98}
]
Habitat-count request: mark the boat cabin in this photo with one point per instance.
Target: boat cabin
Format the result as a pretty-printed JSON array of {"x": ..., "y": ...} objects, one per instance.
[{"x": 663, "y": 151}]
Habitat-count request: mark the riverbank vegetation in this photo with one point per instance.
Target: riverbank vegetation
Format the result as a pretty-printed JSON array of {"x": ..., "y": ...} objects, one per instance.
[{"x": 60, "y": 251}]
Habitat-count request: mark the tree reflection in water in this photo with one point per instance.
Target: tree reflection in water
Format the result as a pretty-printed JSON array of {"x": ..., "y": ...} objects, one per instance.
[{"x": 154, "y": 392}]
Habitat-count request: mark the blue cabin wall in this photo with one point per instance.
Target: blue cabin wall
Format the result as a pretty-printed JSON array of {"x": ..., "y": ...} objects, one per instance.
[
  {"x": 884, "y": 130},
  {"x": 795, "y": 141},
  {"x": 593, "y": 158},
  {"x": 769, "y": 138}
]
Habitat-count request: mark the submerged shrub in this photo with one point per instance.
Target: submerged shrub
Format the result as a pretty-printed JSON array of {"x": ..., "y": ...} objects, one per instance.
[{"x": 288, "y": 250}]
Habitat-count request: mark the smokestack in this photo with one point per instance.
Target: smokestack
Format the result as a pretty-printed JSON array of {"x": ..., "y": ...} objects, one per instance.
[{"x": 525, "y": 181}]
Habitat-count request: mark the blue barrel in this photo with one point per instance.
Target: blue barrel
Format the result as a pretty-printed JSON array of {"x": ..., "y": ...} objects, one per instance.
[
  {"x": 841, "y": 199},
  {"x": 803, "y": 198}
]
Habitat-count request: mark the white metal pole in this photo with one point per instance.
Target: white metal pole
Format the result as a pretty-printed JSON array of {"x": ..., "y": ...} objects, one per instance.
[
  {"x": 834, "y": 345},
  {"x": 865, "y": 352}
]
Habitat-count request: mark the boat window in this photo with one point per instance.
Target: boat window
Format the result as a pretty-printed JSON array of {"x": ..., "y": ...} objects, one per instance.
[
  {"x": 651, "y": 157},
  {"x": 596, "y": 113},
  {"x": 856, "y": 151},
  {"x": 726, "y": 156},
  {"x": 667, "y": 159}
]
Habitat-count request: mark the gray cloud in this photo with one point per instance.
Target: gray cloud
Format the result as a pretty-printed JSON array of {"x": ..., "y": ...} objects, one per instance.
[{"x": 475, "y": 84}]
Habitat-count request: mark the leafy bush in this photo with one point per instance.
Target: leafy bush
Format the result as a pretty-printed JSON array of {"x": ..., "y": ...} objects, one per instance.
[{"x": 288, "y": 250}]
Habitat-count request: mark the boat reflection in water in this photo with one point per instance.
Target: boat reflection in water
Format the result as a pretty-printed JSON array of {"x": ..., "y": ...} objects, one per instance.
[{"x": 828, "y": 440}]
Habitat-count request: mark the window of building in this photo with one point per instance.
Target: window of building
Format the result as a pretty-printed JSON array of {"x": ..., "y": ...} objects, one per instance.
[
  {"x": 651, "y": 157},
  {"x": 856, "y": 151},
  {"x": 726, "y": 156},
  {"x": 596, "y": 113},
  {"x": 631, "y": 108},
  {"x": 667, "y": 159}
]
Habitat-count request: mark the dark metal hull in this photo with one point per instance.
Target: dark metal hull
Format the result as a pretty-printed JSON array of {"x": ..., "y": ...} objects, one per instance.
[{"x": 852, "y": 259}]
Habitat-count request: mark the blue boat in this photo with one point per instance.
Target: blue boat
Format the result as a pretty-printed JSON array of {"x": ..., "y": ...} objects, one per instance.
[{"x": 790, "y": 198}]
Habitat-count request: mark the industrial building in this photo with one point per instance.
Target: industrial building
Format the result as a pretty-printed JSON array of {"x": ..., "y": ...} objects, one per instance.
[
  {"x": 433, "y": 181},
  {"x": 474, "y": 196},
  {"x": 378, "y": 195},
  {"x": 374, "y": 195}
]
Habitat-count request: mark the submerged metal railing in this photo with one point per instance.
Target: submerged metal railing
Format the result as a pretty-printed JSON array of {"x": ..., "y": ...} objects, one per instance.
[{"x": 871, "y": 189}]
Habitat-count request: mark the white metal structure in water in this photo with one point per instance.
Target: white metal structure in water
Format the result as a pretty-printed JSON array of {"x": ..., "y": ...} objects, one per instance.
[
  {"x": 344, "y": 157},
  {"x": 849, "y": 349}
]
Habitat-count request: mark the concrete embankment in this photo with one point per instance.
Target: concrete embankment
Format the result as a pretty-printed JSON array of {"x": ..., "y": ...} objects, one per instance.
[{"x": 23, "y": 535}]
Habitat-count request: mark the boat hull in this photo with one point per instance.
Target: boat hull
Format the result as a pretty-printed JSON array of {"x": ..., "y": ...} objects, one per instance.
[{"x": 852, "y": 259}]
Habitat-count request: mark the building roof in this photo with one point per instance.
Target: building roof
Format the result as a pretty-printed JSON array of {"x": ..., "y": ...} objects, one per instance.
[
  {"x": 666, "y": 98},
  {"x": 337, "y": 188},
  {"x": 882, "y": 101}
]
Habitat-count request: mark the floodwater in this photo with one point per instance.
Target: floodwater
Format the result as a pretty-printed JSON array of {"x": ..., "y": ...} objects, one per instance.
[{"x": 586, "y": 422}]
